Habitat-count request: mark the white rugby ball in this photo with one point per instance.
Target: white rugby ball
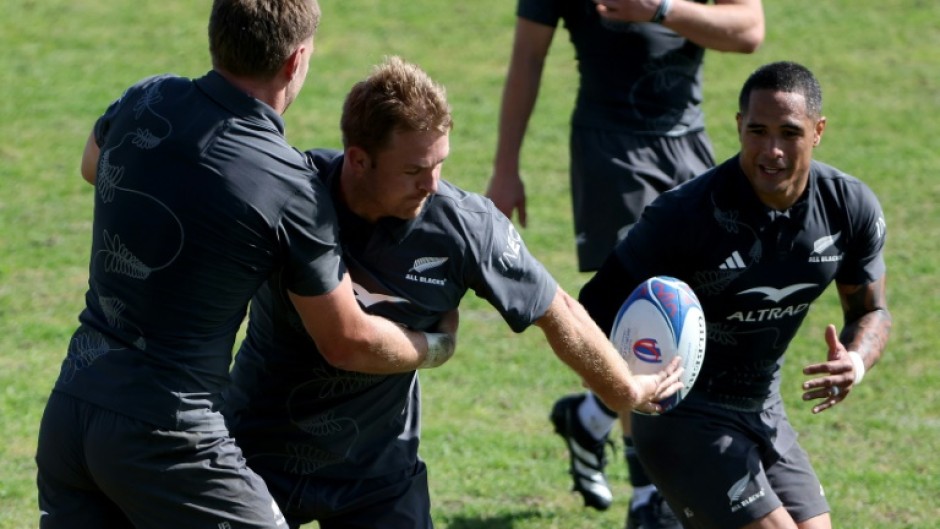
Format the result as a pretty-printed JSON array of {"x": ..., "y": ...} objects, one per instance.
[{"x": 660, "y": 320}]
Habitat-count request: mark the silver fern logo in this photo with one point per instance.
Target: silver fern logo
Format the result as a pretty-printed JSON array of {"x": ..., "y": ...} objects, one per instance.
[
  {"x": 736, "y": 490},
  {"x": 427, "y": 263},
  {"x": 736, "y": 493},
  {"x": 823, "y": 243}
]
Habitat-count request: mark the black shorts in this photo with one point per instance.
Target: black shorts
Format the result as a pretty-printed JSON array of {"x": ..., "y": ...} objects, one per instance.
[
  {"x": 399, "y": 501},
  {"x": 105, "y": 470},
  {"x": 719, "y": 468},
  {"x": 615, "y": 175}
]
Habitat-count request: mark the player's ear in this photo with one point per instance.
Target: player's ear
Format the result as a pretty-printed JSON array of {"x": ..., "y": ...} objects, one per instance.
[
  {"x": 357, "y": 158},
  {"x": 819, "y": 129},
  {"x": 293, "y": 66}
]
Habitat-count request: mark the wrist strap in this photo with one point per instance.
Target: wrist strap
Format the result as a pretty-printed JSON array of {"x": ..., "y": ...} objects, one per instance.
[
  {"x": 858, "y": 366},
  {"x": 662, "y": 11},
  {"x": 440, "y": 349}
]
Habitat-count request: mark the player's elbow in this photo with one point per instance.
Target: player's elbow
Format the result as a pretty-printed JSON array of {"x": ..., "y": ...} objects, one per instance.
[
  {"x": 750, "y": 40},
  {"x": 89, "y": 176},
  {"x": 89, "y": 165},
  {"x": 337, "y": 357},
  {"x": 743, "y": 38},
  {"x": 343, "y": 350},
  {"x": 750, "y": 45},
  {"x": 367, "y": 351}
]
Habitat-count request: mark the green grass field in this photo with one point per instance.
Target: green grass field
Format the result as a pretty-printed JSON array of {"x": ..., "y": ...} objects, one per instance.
[{"x": 494, "y": 461}]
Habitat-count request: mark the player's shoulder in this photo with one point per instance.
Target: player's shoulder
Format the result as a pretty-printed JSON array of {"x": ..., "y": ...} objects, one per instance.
[
  {"x": 830, "y": 174},
  {"x": 146, "y": 87},
  {"x": 830, "y": 180},
  {"x": 688, "y": 198},
  {"x": 465, "y": 215},
  {"x": 161, "y": 78},
  {"x": 456, "y": 200},
  {"x": 322, "y": 159}
]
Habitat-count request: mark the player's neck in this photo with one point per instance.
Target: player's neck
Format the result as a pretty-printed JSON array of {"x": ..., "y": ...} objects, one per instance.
[{"x": 264, "y": 91}]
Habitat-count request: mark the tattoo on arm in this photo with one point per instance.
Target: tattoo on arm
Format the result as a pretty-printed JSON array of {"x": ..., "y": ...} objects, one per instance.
[{"x": 867, "y": 322}]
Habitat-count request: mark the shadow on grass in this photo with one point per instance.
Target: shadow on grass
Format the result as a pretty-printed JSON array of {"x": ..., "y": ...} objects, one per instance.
[{"x": 502, "y": 521}]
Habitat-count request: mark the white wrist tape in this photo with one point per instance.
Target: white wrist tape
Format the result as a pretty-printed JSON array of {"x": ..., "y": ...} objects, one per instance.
[
  {"x": 858, "y": 365},
  {"x": 440, "y": 349}
]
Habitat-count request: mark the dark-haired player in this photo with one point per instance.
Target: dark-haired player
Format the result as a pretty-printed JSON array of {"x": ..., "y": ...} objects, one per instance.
[
  {"x": 637, "y": 129},
  {"x": 758, "y": 238}
]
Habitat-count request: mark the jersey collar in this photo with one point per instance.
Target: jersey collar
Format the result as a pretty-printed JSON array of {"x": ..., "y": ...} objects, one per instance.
[
  {"x": 237, "y": 102},
  {"x": 735, "y": 192}
]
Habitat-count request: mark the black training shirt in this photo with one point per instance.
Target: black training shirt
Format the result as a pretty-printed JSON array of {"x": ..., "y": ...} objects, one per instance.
[
  {"x": 198, "y": 199},
  {"x": 634, "y": 77},
  {"x": 755, "y": 271}
]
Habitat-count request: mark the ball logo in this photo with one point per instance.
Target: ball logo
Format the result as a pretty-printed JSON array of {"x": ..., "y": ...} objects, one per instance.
[{"x": 647, "y": 350}]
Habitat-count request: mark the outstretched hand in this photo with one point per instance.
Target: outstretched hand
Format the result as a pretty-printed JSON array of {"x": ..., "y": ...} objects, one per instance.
[
  {"x": 838, "y": 375},
  {"x": 655, "y": 387}
]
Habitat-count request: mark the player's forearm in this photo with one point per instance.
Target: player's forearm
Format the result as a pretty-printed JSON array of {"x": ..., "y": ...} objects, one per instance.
[
  {"x": 582, "y": 346},
  {"x": 868, "y": 335},
  {"x": 519, "y": 96},
  {"x": 867, "y": 321},
  {"x": 729, "y": 26},
  {"x": 352, "y": 340},
  {"x": 531, "y": 43},
  {"x": 387, "y": 348}
]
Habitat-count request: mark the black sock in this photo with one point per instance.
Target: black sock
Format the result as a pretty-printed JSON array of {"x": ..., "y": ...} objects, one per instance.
[
  {"x": 638, "y": 477},
  {"x": 604, "y": 408}
]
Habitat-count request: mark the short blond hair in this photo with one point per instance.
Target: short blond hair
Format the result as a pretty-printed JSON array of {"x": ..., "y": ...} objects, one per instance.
[{"x": 397, "y": 95}]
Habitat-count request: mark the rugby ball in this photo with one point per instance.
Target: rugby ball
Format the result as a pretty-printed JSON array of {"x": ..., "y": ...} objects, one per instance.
[{"x": 660, "y": 320}]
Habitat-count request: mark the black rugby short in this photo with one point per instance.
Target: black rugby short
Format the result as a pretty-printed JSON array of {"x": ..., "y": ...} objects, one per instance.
[
  {"x": 720, "y": 468},
  {"x": 107, "y": 471},
  {"x": 396, "y": 501},
  {"x": 615, "y": 175}
]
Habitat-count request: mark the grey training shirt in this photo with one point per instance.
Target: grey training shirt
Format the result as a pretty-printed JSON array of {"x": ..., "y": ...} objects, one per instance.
[{"x": 290, "y": 411}]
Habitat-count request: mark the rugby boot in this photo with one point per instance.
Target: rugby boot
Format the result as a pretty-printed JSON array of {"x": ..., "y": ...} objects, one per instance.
[{"x": 587, "y": 457}]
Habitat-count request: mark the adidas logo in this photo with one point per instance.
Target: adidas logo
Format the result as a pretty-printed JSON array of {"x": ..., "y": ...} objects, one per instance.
[{"x": 733, "y": 262}]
